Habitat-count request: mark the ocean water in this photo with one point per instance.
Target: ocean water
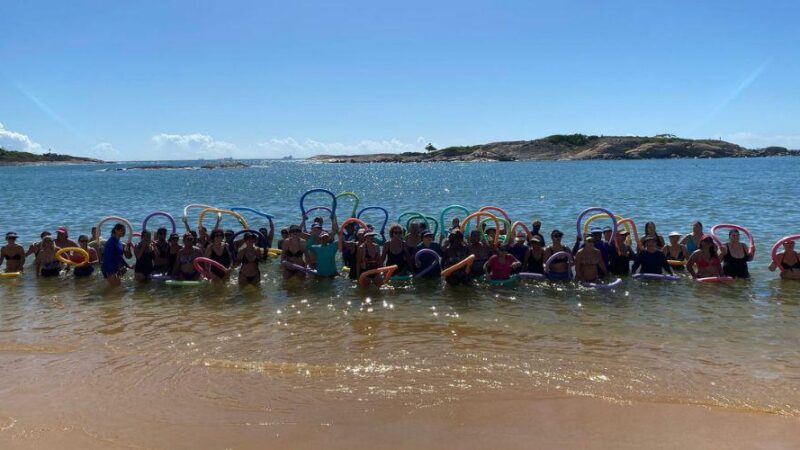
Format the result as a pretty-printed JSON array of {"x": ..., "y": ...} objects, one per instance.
[{"x": 181, "y": 355}]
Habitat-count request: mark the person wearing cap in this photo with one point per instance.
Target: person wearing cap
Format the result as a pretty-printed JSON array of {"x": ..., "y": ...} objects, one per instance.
[
  {"x": 501, "y": 265},
  {"x": 589, "y": 264},
  {"x": 294, "y": 250},
  {"x": 559, "y": 268},
  {"x": 324, "y": 252},
  {"x": 534, "y": 258},
  {"x": 735, "y": 256},
  {"x": 454, "y": 252},
  {"x": 599, "y": 244},
  {"x": 518, "y": 247},
  {"x": 650, "y": 231},
  {"x": 45, "y": 263},
  {"x": 482, "y": 251},
  {"x": 395, "y": 251},
  {"x": 368, "y": 257},
  {"x": 607, "y": 235},
  {"x": 12, "y": 253},
  {"x": 88, "y": 268},
  {"x": 620, "y": 255},
  {"x": 789, "y": 261},
  {"x": 427, "y": 259},
  {"x": 651, "y": 259},
  {"x": 113, "y": 265},
  {"x": 184, "y": 262},
  {"x": 248, "y": 259},
  {"x": 62, "y": 238},
  {"x": 704, "y": 262},
  {"x": 674, "y": 250}
]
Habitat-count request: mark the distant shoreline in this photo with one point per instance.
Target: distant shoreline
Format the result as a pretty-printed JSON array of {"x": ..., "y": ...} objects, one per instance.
[{"x": 576, "y": 147}]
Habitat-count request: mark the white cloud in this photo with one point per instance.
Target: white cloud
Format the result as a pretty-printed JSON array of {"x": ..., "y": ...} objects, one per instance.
[
  {"x": 105, "y": 151},
  {"x": 280, "y": 147},
  {"x": 11, "y": 140},
  {"x": 755, "y": 140},
  {"x": 192, "y": 146}
]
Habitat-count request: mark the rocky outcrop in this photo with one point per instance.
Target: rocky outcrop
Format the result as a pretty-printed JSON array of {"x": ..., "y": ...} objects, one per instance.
[{"x": 574, "y": 147}]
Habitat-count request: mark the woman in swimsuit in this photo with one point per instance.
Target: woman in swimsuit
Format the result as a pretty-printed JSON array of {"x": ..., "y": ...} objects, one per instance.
[
  {"x": 501, "y": 265},
  {"x": 146, "y": 253},
  {"x": 705, "y": 259},
  {"x": 88, "y": 268},
  {"x": 482, "y": 251},
  {"x": 220, "y": 253},
  {"x": 249, "y": 257},
  {"x": 620, "y": 255},
  {"x": 12, "y": 253},
  {"x": 790, "y": 261},
  {"x": 184, "y": 269},
  {"x": 46, "y": 263},
  {"x": 676, "y": 251},
  {"x": 454, "y": 252},
  {"x": 692, "y": 241},
  {"x": 735, "y": 256},
  {"x": 161, "y": 263},
  {"x": 293, "y": 251},
  {"x": 559, "y": 269},
  {"x": 650, "y": 231},
  {"x": 395, "y": 251},
  {"x": 534, "y": 258},
  {"x": 413, "y": 238},
  {"x": 368, "y": 257}
]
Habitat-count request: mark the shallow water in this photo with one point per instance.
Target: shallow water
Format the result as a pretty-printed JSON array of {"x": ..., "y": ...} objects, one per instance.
[{"x": 185, "y": 355}]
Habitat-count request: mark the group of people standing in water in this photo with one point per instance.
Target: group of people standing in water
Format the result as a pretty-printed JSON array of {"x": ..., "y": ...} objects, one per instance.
[{"x": 413, "y": 252}]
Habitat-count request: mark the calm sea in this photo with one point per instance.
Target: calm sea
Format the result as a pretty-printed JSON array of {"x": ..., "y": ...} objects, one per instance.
[{"x": 732, "y": 345}]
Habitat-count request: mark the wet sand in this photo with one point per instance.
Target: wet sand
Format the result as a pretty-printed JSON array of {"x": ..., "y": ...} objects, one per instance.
[{"x": 477, "y": 423}]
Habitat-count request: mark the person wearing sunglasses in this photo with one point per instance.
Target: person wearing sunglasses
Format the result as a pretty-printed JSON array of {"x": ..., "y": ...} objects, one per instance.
[
  {"x": 706, "y": 260},
  {"x": 559, "y": 268},
  {"x": 12, "y": 253},
  {"x": 88, "y": 268},
  {"x": 184, "y": 269}
]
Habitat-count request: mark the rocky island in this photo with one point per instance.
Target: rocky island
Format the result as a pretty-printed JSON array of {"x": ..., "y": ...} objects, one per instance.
[
  {"x": 573, "y": 147},
  {"x": 11, "y": 157}
]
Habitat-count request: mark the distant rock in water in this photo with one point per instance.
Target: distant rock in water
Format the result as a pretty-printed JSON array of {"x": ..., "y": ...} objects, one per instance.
[
  {"x": 574, "y": 147},
  {"x": 226, "y": 164}
]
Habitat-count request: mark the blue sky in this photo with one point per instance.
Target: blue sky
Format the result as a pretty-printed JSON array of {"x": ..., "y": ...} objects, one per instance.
[{"x": 171, "y": 79}]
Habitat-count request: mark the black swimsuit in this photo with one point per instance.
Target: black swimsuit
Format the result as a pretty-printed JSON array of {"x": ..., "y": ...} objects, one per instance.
[
  {"x": 224, "y": 259},
  {"x": 397, "y": 259},
  {"x": 793, "y": 267},
  {"x": 144, "y": 263},
  {"x": 735, "y": 267}
]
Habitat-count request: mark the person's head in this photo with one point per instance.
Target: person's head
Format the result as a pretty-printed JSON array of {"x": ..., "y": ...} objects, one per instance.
[
  {"x": 318, "y": 220},
  {"x": 556, "y": 236},
  {"x": 423, "y": 226},
  {"x": 249, "y": 239},
  {"x": 324, "y": 238},
  {"x": 455, "y": 223},
  {"x": 173, "y": 239},
  {"x": 674, "y": 238},
  {"x": 188, "y": 240},
  {"x": 427, "y": 237},
  {"x": 360, "y": 235},
  {"x": 229, "y": 235},
  {"x": 536, "y": 242},
  {"x": 413, "y": 228},
  {"x": 161, "y": 234},
  {"x": 697, "y": 227},
  {"x": 707, "y": 243},
  {"x": 607, "y": 234},
  {"x": 369, "y": 237},
  {"x": 589, "y": 242},
  {"x": 118, "y": 231},
  {"x": 217, "y": 236},
  {"x": 316, "y": 228},
  {"x": 83, "y": 241},
  {"x": 519, "y": 238},
  {"x": 650, "y": 228},
  {"x": 284, "y": 233},
  {"x": 146, "y": 236},
  {"x": 596, "y": 233},
  {"x": 294, "y": 231},
  {"x": 788, "y": 246},
  {"x": 455, "y": 236},
  {"x": 733, "y": 236},
  {"x": 491, "y": 231},
  {"x": 474, "y": 236},
  {"x": 62, "y": 233},
  {"x": 621, "y": 236},
  {"x": 94, "y": 231},
  {"x": 263, "y": 231},
  {"x": 11, "y": 237},
  {"x": 194, "y": 235},
  {"x": 44, "y": 234},
  {"x": 536, "y": 226},
  {"x": 396, "y": 232},
  {"x": 203, "y": 232}
]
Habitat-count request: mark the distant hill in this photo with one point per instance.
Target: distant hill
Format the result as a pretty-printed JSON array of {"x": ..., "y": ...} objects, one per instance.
[
  {"x": 574, "y": 147},
  {"x": 8, "y": 157}
]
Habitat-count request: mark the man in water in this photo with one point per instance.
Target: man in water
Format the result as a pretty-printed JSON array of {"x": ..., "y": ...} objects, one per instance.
[{"x": 588, "y": 261}]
